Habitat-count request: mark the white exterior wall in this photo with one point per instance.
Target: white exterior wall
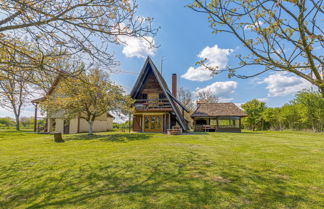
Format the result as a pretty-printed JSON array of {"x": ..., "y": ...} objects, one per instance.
[
  {"x": 98, "y": 125},
  {"x": 102, "y": 123},
  {"x": 74, "y": 126},
  {"x": 59, "y": 127},
  {"x": 110, "y": 123}
]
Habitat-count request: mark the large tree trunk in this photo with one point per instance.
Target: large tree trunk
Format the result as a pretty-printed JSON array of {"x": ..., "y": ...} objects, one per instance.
[
  {"x": 90, "y": 131},
  {"x": 17, "y": 123}
]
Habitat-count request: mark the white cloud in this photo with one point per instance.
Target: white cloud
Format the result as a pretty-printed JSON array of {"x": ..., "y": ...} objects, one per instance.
[
  {"x": 281, "y": 85},
  {"x": 222, "y": 90},
  {"x": 197, "y": 74},
  {"x": 263, "y": 99},
  {"x": 252, "y": 26},
  {"x": 138, "y": 47},
  {"x": 216, "y": 57}
]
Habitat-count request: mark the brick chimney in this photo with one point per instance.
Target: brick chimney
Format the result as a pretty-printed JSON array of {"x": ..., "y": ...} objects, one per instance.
[{"x": 174, "y": 85}]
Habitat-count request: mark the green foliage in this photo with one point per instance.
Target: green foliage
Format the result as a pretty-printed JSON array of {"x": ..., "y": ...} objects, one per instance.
[
  {"x": 124, "y": 127},
  {"x": 88, "y": 96},
  {"x": 28, "y": 122},
  {"x": 254, "y": 110},
  {"x": 312, "y": 111},
  {"x": 266, "y": 29},
  {"x": 6, "y": 122},
  {"x": 266, "y": 170},
  {"x": 306, "y": 111}
]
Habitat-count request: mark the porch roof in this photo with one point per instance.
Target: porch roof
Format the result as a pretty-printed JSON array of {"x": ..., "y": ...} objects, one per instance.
[{"x": 218, "y": 109}]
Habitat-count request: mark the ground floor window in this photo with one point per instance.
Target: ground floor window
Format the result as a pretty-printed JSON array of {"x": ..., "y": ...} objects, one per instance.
[
  {"x": 218, "y": 122},
  {"x": 229, "y": 122}
]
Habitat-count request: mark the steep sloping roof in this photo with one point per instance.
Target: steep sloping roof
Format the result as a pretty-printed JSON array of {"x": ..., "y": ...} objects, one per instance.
[
  {"x": 140, "y": 81},
  {"x": 218, "y": 109}
]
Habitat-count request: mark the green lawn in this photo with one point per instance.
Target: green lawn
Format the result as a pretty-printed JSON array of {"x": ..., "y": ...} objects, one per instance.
[{"x": 120, "y": 170}]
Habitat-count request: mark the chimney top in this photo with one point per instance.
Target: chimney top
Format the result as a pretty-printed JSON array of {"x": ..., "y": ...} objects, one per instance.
[{"x": 174, "y": 85}]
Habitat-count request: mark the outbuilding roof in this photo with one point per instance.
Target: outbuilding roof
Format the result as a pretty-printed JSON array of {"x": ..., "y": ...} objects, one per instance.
[{"x": 218, "y": 109}]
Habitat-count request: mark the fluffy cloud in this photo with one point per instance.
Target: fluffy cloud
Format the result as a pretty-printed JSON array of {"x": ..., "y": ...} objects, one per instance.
[
  {"x": 197, "y": 74},
  {"x": 252, "y": 26},
  {"x": 216, "y": 57},
  {"x": 281, "y": 85},
  {"x": 222, "y": 90},
  {"x": 137, "y": 47}
]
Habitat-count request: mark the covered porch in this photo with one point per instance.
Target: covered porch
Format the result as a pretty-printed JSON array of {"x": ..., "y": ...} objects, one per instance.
[{"x": 217, "y": 124}]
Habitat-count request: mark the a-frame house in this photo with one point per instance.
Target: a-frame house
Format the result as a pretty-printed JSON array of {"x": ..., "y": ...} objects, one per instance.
[{"x": 156, "y": 108}]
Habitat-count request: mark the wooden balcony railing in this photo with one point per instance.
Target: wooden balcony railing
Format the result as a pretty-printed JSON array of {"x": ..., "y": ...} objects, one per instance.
[{"x": 152, "y": 104}]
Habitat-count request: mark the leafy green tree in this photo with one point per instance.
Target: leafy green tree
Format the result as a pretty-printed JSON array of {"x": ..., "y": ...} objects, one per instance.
[
  {"x": 88, "y": 96},
  {"x": 279, "y": 35},
  {"x": 14, "y": 93},
  {"x": 312, "y": 106},
  {"x": 290, "y": 116},
  {"x": 271, "y": 117},
  {"x": 254, "y": 109}
]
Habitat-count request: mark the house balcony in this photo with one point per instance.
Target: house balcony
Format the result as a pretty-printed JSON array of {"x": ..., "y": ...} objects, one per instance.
[{"x": 154, "y": 105}]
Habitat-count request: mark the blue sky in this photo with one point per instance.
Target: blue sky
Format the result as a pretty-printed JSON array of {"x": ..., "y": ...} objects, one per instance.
[{"x": 183, "y": 35}]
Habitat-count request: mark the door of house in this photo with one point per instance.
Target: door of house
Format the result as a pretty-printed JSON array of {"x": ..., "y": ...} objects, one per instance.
[
  {"x": 66, "y": 127},
  {"x": 137, "y": 121},
  {"x": 153, "y": 123}
]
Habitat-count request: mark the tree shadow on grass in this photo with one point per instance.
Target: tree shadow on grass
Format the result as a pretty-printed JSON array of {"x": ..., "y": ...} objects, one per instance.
[
  {"x": 168, "y": 182},
  {"x": 111, "y": 137}
]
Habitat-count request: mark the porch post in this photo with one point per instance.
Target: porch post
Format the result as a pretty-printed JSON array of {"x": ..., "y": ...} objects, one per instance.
[
  {"x": 240, "y": 126},
  {"x": 217, "y": 123},
  {"x": 142, "y": 123},
  {"x": 35, "y": 119}
]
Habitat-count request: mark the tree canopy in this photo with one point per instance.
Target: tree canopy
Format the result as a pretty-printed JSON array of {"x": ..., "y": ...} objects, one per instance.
[
  {"x": 42, "y": 30},
  {"x": 305, "y": 111},
  {"x": 87, "y": 96},
  {"x": 280, "y": 35}
]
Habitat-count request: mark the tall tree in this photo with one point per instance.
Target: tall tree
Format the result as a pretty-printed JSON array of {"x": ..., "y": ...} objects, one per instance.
[
  {"x": 206, "y": 95},
  {"x": 72, "y": 27},
  {"x": 14, "y": 93},
  {"x": 88, "y": 96},
  {"x": 312, "y": 108},
  {"x": 254, "y": 109},
  {"x": 185, "y": 97},
  {"x": 281, "y": 35}
]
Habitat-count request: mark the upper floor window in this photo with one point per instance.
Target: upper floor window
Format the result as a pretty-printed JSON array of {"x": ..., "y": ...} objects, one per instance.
[
  {"x": 144, "y": 96},
  {"x": 161, "y": 96}
]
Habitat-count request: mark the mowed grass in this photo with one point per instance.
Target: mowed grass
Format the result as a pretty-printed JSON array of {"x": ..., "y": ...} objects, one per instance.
[{"x": 121, "y": 170}]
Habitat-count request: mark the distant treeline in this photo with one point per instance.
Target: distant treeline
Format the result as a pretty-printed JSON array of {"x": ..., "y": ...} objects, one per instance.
[
  {"x": 305, "y": 111},
  {"x": 25, "y": 122}
]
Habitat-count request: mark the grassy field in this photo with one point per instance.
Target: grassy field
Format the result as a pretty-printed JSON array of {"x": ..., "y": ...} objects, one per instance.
[{"x": 120, "y": 170}]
